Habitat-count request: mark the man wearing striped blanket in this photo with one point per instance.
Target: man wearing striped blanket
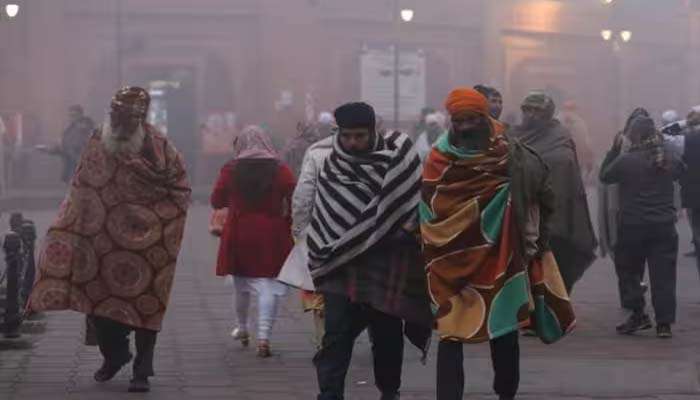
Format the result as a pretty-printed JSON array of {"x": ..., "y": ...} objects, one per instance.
[{"x": 364, "y": 251}]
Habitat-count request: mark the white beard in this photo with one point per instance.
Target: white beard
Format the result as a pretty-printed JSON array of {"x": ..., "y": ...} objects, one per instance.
[{"x": 115, "y": 146}]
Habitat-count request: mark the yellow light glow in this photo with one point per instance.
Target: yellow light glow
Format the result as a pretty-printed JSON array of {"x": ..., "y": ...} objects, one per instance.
[
  {"x": 626, "y": 36},
  {"x": 606, "y": 34}
]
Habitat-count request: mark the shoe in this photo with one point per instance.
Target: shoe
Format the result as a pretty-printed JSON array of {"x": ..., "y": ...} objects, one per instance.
[
  {"x": 264, "y": 349},
  {"x": 506, "y": 398},
  {"x": 636, "y": 322},
  {"x": 107, "y": 371},
  {"x": 393, "y": 396},
  {"x": 139, "y": 385},
  {"x": 242, "y": 336},
  {"x": 663, "y": 331}
]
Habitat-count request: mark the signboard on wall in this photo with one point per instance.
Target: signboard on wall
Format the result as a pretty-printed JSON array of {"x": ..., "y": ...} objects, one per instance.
[{"x": 377, "y": 80}]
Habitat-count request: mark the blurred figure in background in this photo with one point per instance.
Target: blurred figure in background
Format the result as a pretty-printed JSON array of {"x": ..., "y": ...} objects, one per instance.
[
  {"x": 293, "y": 153},
  {"x": 575, "y": 124},
  {"x": 309, "y": 133},
  {"x": 435, "y": 125},
  {"x": 256, "y": 188},
  {"x": 494, "y": 98},
  {"x": 690, "y": 181},
  {"x": 572, "y": 239},
  {"x": 74, "y": 137},
  {"x": 326, "y": 124},
  {"x": 669, "y": 117},
  {"x": 420, "y": 125}
]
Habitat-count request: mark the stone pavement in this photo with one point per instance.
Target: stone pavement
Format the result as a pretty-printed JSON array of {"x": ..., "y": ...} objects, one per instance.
[{"x": 196, "y": 358}]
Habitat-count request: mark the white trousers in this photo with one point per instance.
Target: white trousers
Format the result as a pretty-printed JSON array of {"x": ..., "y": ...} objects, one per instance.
[{"x": 268, "y": 292}]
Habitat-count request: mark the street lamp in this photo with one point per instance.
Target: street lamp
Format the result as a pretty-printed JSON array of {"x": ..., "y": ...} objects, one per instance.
[
  {"x": 606, "y": 34},
  {"x": 626, "y": 36},
  {"x": 12, "y": 10},
  {"x": 607, "y": 2},
  {"x": 407, "y": 15}
]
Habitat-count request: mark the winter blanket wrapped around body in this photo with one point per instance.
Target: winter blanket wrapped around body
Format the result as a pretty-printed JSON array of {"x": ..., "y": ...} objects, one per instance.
[
  {"x": 483, "y": 281},
  {"x": 112, "y": 250}
]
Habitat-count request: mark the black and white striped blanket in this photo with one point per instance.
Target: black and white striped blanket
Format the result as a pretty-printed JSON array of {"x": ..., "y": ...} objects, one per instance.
[{"x": 361, "y": 200}]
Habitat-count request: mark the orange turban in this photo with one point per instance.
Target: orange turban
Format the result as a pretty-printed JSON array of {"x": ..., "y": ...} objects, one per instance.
[{"x": 466, "y": 99}]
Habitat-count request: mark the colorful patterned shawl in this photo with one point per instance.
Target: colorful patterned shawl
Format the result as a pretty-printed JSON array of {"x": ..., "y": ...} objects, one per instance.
[
  {"x": 113, "y": 248},
  {"x": 480, "y": 287}
]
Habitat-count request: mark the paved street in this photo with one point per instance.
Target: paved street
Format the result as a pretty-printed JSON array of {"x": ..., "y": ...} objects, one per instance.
[{"x": 196, "y": 358}]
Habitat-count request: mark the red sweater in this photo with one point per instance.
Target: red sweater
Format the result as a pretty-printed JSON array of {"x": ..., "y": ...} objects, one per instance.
[{"x": 256, "y": 238}]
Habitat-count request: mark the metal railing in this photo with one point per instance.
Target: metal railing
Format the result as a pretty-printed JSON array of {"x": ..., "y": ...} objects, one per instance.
[{"x": 20, "y": 270}]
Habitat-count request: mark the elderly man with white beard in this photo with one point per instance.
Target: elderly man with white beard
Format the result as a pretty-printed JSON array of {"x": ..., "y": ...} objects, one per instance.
[{"x": 112, "y": 251}]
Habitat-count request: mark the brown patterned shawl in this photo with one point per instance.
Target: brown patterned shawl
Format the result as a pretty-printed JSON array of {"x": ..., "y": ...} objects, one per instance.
[{"x": 113, "y": 248}]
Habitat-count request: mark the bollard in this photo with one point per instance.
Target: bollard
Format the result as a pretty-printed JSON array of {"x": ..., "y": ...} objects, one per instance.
[
  {"x": 13, "y": 260},
  {"x": 28, "y": 235}
]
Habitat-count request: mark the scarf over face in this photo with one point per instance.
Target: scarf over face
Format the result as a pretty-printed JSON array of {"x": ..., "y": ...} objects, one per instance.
[
  {"x": 112, "y": 250},
  {"x": 481, "y": 287},
  {"x": 362, "y": 199}
]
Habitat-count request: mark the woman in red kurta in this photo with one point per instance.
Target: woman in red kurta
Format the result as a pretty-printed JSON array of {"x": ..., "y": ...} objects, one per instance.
[{"x": 256, "y": 188}]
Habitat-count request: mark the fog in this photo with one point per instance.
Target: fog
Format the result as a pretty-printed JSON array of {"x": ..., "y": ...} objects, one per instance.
[{"x": 214, "y": 66}]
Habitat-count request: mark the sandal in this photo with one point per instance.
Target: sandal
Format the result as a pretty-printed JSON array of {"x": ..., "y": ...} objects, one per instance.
[
  {"x": 264, "y": 349},
  {"x": 242, "y": 336}
]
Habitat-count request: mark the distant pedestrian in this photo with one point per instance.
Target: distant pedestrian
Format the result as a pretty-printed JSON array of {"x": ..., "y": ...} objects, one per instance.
[
  {"x": 74, "y": 138},
  {"x": 434, "y": 127},
  {"x": 256, "y": 187},
  {"x": 647, "y": 232}
]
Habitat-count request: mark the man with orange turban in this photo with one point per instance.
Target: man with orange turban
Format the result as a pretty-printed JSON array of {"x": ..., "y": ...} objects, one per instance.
[{"x": 484, "y": 210}]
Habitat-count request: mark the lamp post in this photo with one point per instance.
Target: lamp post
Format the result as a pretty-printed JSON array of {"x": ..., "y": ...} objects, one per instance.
[{"x": 400, "y": 16}]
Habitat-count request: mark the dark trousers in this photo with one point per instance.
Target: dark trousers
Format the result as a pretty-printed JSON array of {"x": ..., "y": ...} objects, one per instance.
[
  {"x": 344, "y": 321},
  {"x": 505, "y": 356},
  {"x": 655, "y": 245},
  {"x": 113, "y": 340}
]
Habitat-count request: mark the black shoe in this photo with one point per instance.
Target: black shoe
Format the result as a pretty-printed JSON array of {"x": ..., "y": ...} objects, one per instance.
[
  {"x": 663, "y": 331},
  {"x": 393, "y": 396},
  {"x": 107, "y": 371},
  {"x": 139, "y": 385},
  {"x": 506, "y": 398},
  {"x": 636, "y": 322}
]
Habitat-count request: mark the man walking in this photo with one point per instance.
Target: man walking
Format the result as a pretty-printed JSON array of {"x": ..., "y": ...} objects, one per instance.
[
  {"x": 111, "y": 253},
  {"x": 485, "y": 211},
  {"x": 364, "y": 255},
  {"x": 572, "y": 239}
]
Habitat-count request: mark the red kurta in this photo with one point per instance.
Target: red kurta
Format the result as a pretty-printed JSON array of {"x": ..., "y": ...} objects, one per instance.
[{"x": 256, "y": 239}]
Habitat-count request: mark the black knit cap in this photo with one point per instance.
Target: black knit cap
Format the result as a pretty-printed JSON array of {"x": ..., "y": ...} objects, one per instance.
[{"x": 355, "y": 115}]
